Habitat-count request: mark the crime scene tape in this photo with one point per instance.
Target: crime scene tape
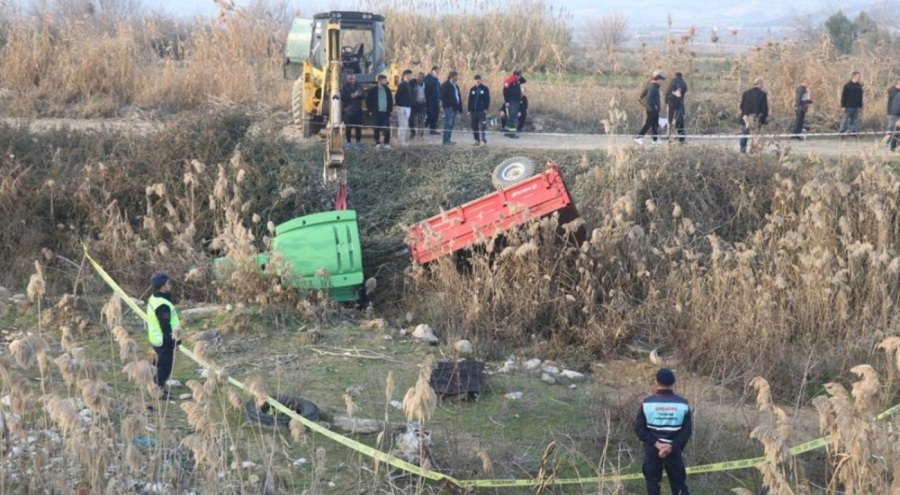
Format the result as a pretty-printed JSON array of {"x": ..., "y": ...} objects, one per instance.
[{"x": 389, "y": 459}]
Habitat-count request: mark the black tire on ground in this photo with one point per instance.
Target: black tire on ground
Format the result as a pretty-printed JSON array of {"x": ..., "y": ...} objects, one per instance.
[
  {"x": 512, "y": 171},
  {"x": 268, "y": 416}
]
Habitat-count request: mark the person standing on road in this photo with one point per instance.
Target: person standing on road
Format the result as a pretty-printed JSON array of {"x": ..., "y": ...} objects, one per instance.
[
  {"x": 802, "y": 102},
  {"x": 754, "y": 111},
  {"x": 380, "y": 103},
  {"x": 675, "y": 104},
  {"x": 650, "y": 98},
  {"x": 417, "y": 118},
  {"x": 664, "y": 425},
  {"x": 894, "y": 116},
  {"x": 851, "y": 103},
  {"x": 478, "y": 106},
  {"x": 451, "y": 100},
  {"x": 163, "y": 329},
  {"x": 432, "y": 99},
  {"x": 352, "y": 97},
  {"x": 403, "y": 100},
  {"x": 512, "y": 98}
]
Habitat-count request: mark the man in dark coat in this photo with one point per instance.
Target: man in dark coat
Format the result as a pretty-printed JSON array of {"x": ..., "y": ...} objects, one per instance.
[
  {"x": 675, "y": 103},
  {"x": 851, "y": 102},
  {"x": 802, "y": 102},
  {"x": 478, "y": 106},
  {"x": 352, "y": 98},
  {"x": 432, "y": 99},
  {"x": 754, "y": 111},
  {"x": 451, "y": 101},
  {"x": 380, "y": 103},
  {"x": 650, "y": 98},
  {"x": 894, "y": 116}
]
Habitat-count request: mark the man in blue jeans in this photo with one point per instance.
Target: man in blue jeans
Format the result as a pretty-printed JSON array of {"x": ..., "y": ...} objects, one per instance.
[
  {"x": 451, "y": 101},
  {"x": 851, "y": 102},
  {"x": 664, "y": 425}
]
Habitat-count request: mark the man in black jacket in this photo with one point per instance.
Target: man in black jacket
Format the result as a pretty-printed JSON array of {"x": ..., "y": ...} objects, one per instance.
[
  {"x": 432, "y": 99},
  {"x": 894, "y": 116},
  {"x": 380, "y": 103},
  {"x": 802, "y": 102},
  {"x": 651, "y": 101},
  {"x": 512, "y": 99},
  {"x": 451, "y": 101},
  {"x": 675, "y": 103},
  {"x": 664, "y": 425},
  {"x": 478, "y": 106},
  {"x": 352, "y": 97},
  {"x": 851, "y": 102},
  {"x": 403, "y": 100},
  {"x": 754, "y": 110}
]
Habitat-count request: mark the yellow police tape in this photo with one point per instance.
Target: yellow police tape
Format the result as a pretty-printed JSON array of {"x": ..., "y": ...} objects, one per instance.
[{"x": 435, "y": 476}]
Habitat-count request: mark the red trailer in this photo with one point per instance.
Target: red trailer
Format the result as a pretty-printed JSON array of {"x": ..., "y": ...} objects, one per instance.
[{"x": 518, "y": 200}]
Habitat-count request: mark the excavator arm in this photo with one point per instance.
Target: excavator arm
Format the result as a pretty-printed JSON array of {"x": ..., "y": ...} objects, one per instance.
[{"x": 335, "y": 171}]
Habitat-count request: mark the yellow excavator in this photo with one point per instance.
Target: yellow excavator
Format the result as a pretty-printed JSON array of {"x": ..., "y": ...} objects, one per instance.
[{"x": 318, "y": 54}]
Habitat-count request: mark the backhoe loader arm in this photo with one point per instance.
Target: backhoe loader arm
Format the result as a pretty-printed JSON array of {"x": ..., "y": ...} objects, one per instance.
[{"x": 334, "y": 145}]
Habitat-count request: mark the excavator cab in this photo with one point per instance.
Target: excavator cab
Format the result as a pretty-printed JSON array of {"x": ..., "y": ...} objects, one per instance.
[{"x": 359, "y": 39}]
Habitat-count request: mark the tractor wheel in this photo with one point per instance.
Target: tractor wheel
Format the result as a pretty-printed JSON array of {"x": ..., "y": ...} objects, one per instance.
[
  {"x": 299, "y": 116},
  {"x": 512, "y": 171}
]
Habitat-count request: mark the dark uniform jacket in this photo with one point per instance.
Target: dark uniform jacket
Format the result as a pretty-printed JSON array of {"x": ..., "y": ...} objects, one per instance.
[
  {"x": 512, "y": 88},
  {"x": 755, "y": 102},
  {"x": 432, "y": 88},
  {"x": 479, "y": 99},
  {"x": 665, "y": 417}
]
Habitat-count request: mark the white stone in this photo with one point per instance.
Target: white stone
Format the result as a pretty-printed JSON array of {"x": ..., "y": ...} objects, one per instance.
[
  {"x": 573, "y": 375},
  {"x": 204, "y": 372},
  {"x": 6, "y": 401},
  {"x": 184, "y": 396},
  {"x": 85, "y": 415},
  {"x": 300, "y": 462},
  {"x": 173, "y": 383},
  {"x": 18, "y": 297},
  {"x": 248, "y": 464},
  {"x": 424, "y": 333},
  {"x": 573, "y": 386},
  {"x": 532, "y": 364},
  {"x": 463, "y": 346},
  {"x": 547, "y": 378},
  {"x": 506, "y": 368},
  {"x": 229, "y": 308},
  {"x": 553, "y": 370},
  {"x": 202, "y": 312},
  {"x": 396, "y": 404},
  {"x": 513, "y": 395},
  {"x": 155, "y": 487}
]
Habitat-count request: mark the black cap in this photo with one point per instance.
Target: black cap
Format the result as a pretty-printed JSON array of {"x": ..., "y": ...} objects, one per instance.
[
  {"x": 665, "y": 377},
  {"x": 159, "y": 279}
]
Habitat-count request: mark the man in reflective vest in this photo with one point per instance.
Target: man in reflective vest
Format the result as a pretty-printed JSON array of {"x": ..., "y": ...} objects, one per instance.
[
  {"x": 664, "y": 425},
  {"x": 163, "y": 328}
]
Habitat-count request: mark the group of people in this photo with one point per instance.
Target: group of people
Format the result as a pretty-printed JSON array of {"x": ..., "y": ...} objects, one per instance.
[
  {"x": 419, "y": 101},
  {"x": 755, "y": 109}
]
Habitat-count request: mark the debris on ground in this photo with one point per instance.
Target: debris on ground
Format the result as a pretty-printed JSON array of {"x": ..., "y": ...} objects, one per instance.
[
  {"x": 425, "y": 334},
  {"x": 412, "y": 443},
  {"x": 463, "y": 347},
  {"x": 462, "y": 379}
]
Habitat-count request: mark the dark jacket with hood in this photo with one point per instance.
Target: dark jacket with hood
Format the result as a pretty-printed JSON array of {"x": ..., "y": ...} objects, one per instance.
[{"x": 852, "y": 95}]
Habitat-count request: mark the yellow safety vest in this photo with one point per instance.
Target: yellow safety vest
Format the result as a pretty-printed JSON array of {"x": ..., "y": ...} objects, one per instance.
[{"x": 154, "y": 329}]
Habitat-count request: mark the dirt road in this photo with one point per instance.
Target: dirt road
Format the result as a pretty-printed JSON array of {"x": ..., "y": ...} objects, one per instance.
[{"x": 826, "y": 146}]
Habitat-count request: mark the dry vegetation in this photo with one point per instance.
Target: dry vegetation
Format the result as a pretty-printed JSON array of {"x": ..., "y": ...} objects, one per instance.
[{"x": 766, "y": 265}]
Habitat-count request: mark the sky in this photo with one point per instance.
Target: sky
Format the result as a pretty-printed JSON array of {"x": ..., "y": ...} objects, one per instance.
[{"x": 685, "y": 13}]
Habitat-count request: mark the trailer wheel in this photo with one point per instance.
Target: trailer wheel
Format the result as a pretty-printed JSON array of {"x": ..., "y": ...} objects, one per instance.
[
  {"x": 268, "y": 416},
  {"x": 512, "y": 171}
]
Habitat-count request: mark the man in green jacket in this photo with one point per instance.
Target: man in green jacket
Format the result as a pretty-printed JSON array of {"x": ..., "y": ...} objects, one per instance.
[{"x": 163, "y": 329}]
